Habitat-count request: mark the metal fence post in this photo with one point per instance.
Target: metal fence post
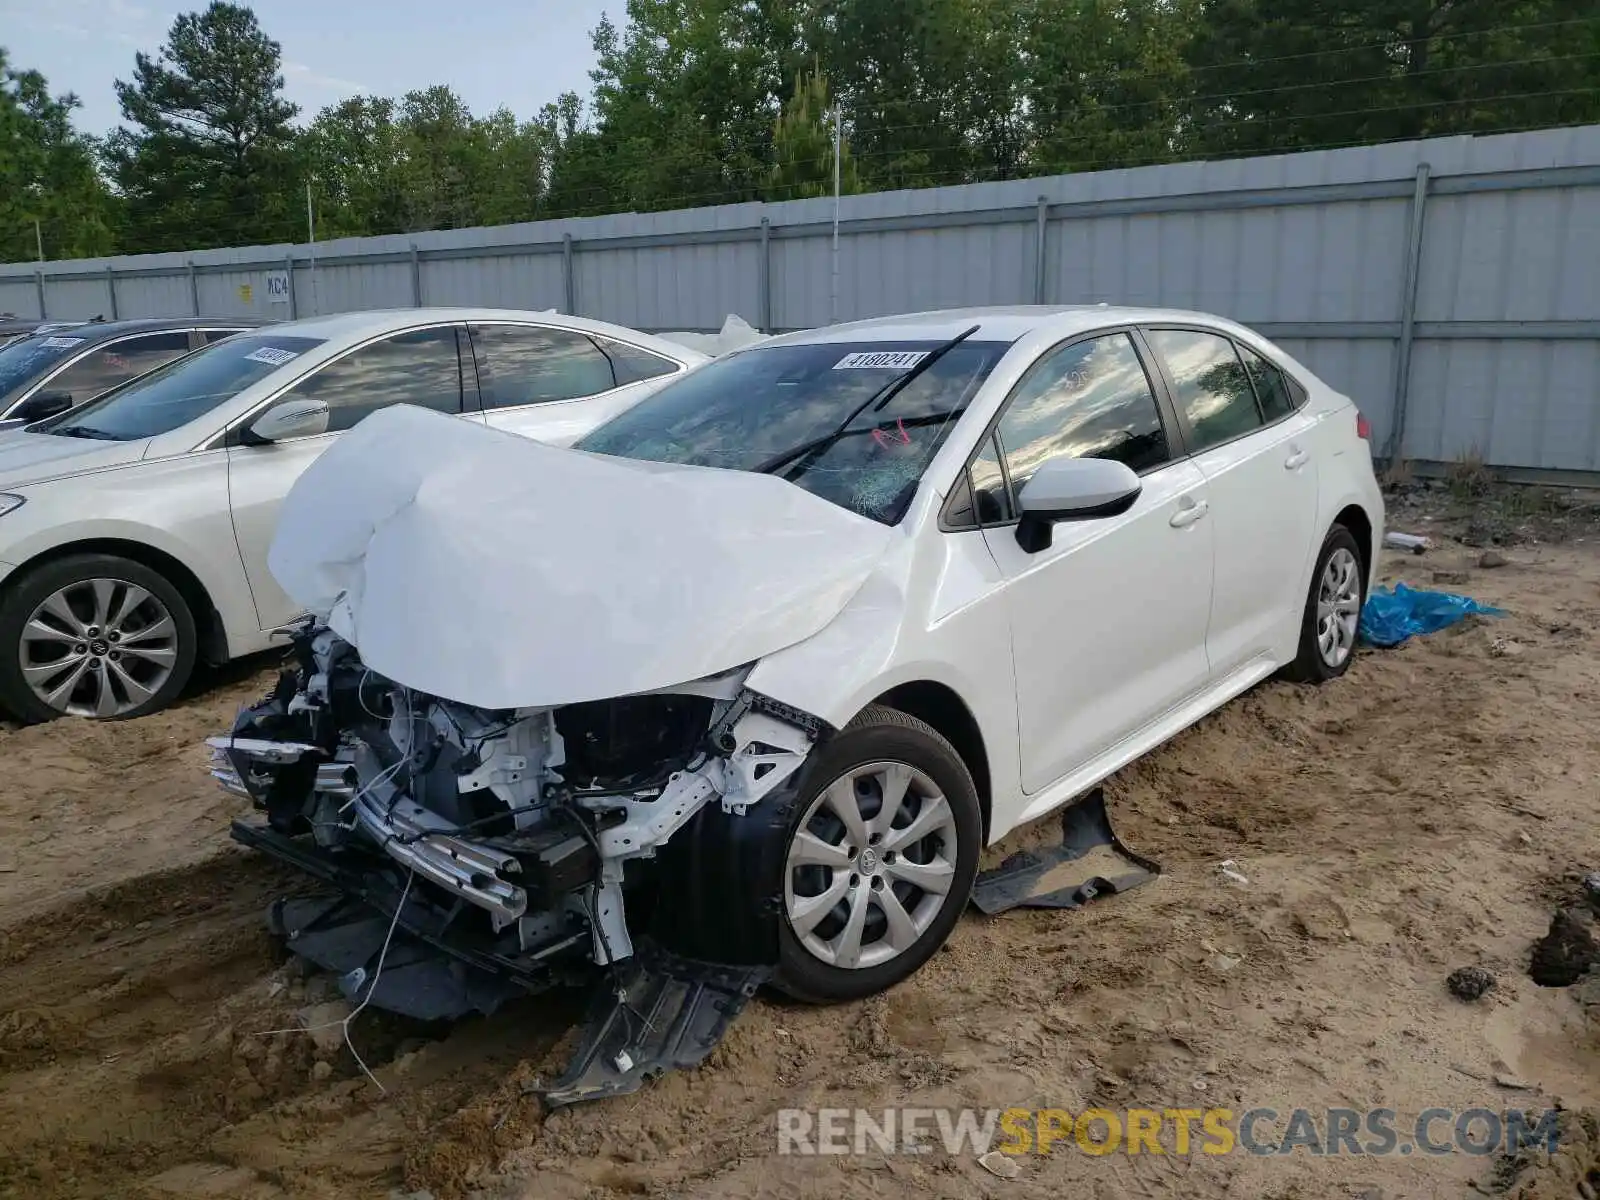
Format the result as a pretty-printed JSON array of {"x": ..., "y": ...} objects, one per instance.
[
  {"x": 566, "y": 274},
  {"x": 38, "y": 280},
  {"x": 194, "y": 288},
  {"x": 294, "y": 305},
  {"x": 765, "y": 315},
  {"x": 416, "y": 278},
  {"x": 1408, "y": 312},
  {"x": 1041, "y": 226},
  {"x": 111, "y": 290}
]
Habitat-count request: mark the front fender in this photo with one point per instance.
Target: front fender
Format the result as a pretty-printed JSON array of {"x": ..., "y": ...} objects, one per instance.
[
  {"x": 205, "y": 547},
  {"x": 870, "y": 648}
]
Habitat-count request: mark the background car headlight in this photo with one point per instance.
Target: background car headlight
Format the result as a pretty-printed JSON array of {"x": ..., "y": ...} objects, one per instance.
[{"x": 7, "y": 503}]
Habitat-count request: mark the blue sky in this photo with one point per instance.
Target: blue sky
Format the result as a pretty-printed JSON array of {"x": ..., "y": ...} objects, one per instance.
[{"x": 519, "y": 53}]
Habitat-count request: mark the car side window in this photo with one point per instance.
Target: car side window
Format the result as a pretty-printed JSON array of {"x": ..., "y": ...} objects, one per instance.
[
  {"x": 1272, "y": 385},
  {"x": 1209, "y": 385},
  {"x": 1090, "y": 399},
  {"x": 525, "y": 364},
  {"x": 106, "y": 367},
  {"x": 631, "y": 364},
  {"x": 990, "y": 503},
  {"x": 422, "y": 367},
  {"x": 216, "y": 335}
]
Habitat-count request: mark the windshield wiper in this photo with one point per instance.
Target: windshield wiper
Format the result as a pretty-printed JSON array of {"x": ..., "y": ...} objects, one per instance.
[
  {"x": 877, "y": 401},
  {"x": 83, "y": 431}
]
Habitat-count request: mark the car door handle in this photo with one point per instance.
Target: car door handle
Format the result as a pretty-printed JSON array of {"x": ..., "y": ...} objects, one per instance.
[
  {"x": 1297, "y": 458},
  {"x": 1189, "y": 514}
]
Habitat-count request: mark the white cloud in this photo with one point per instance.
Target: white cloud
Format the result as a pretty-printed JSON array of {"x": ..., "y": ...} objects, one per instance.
[{"x": 299, "y": 73}]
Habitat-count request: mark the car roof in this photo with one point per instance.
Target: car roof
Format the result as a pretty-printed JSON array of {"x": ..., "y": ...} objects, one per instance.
[
  {"x": 354, "y": 326},
  {"x": 30, "y": 324},
  {"x": 995, "y": 324},
  {"x": 99, "y": 331}
]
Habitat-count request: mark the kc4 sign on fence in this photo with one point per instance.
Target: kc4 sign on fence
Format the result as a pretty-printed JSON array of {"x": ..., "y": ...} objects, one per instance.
[{"x": 278, "y": 286}]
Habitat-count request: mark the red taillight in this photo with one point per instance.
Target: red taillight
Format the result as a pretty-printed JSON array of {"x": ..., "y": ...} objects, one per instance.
[{"x": 1363, "y": 426}]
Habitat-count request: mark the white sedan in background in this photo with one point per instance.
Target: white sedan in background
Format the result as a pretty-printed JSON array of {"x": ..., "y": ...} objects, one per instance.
[{"x": 134, "y": 530}]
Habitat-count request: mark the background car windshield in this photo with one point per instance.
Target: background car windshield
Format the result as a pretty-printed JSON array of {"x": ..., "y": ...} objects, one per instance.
[
  {"x": 187, "y": 389},
  {"x": 23, "y": 362},
  {"x": 740, "y": 411}
]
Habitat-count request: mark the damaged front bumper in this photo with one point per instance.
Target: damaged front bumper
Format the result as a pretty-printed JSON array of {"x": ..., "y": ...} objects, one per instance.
[{"x": 503, "y": 852}]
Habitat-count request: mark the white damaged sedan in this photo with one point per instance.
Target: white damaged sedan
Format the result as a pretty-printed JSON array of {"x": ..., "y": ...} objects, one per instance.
[{"x": 737, "y": 688}]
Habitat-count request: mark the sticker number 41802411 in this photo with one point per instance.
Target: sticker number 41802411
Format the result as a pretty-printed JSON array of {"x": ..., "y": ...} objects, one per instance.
[
  {"x": 272, "y": 356},
  {"x": 880, "y": 360}
]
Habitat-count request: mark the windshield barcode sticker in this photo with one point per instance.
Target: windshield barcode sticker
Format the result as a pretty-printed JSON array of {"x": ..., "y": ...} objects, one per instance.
[
  {"x": 272, "y": 356},
  {"x": 880, "y": 360},
  {"x": 61, "y": 343}
]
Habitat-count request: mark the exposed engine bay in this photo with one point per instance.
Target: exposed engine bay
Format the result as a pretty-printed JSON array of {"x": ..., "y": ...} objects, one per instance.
[{"x": 470, "y": 856}]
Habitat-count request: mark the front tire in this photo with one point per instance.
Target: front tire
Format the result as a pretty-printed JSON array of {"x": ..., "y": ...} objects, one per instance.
[
  {"x": 93, "y": 635},
  {"x": 879, "y": 858},
  {"x": 1332, "y": 616}
]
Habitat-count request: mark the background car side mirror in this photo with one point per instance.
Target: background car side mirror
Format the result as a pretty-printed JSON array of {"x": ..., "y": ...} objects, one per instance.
[
  {"x": 1072, "y": 489},
  {"x": 41, "y": 405},
  {"x": 289, "y": 419}
]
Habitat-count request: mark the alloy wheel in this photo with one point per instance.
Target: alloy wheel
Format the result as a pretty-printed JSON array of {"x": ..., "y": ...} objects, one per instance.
[
  {"x": 98, "y": 648},
  {"x": 1338, "y": 607},
  {"x": 870, "y": 865}
]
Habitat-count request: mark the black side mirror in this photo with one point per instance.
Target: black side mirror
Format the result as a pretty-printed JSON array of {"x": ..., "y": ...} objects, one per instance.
[{"x": 43, "y": 404}]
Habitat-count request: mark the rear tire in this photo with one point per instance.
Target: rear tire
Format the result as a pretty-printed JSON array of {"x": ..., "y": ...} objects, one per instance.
[
  {"x": 868, "y": 895},
  {"x": 93, "y": 635},
  {"x": 1329, "y": 626}
]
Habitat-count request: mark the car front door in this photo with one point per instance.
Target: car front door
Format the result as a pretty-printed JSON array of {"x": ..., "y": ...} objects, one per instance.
[
  {"x": 1257, "y": 459},
  {"x": 1108, "y": 622},
  {"x": 420, "y": 366},
  {"x": 556, "y": 385}
]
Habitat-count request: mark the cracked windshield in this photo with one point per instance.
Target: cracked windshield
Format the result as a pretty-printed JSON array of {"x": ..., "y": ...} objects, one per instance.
[{"x": 742, "y": 411}]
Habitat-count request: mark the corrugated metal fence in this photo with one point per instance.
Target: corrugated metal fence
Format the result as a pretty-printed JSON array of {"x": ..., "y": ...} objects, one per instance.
[{"x": 1452, "y": 285}]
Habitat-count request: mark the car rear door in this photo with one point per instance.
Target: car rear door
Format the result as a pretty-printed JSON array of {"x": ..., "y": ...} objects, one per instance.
[
  {"x": 1108, "y": 623},
  {"x": 1258, "y": 461},
  {"x": 556, "y": 384},
  {"x": 419, "y": 366}
]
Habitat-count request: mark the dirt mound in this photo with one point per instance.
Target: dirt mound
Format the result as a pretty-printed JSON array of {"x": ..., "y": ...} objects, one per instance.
[{"x": 1566, "y": 953}]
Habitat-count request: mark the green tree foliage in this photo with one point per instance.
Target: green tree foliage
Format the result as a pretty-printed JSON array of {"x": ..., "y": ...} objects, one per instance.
[
  {"x": 803, "y": 146},
  {"x": 584, "y": 176},
  {"x": 48, "y": 174},
  {"x": 354, "y": 152},
  {"x": 685, "y": 99},
  {"x": 1106, "y": 83},
  {"x": 1276, "y": 75},
  {"x": 211, "y": 157},
  {"x": 424, "y": 163},
  {"x": 717, "y": 101}
]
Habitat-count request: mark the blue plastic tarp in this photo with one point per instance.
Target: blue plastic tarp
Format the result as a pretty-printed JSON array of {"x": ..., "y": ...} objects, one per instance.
[{"x": 1390, "y": 617}]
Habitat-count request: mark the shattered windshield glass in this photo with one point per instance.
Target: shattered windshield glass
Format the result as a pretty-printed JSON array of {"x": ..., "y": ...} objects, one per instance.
[{"x": 744, "y": 410}]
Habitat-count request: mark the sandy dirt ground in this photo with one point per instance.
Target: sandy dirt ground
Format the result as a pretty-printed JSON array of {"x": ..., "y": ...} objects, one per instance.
[{"x": 1428, "y": 812}]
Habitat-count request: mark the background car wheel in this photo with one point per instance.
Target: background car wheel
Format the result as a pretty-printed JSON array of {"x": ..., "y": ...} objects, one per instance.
[
  {"x": 93, "y": 635},
  {"x": 879, "y": 858},
  {"x": 1333, "y": 611}
]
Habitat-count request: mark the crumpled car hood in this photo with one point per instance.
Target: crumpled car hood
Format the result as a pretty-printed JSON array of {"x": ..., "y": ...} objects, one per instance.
[{"x": 490, "y": 569}]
